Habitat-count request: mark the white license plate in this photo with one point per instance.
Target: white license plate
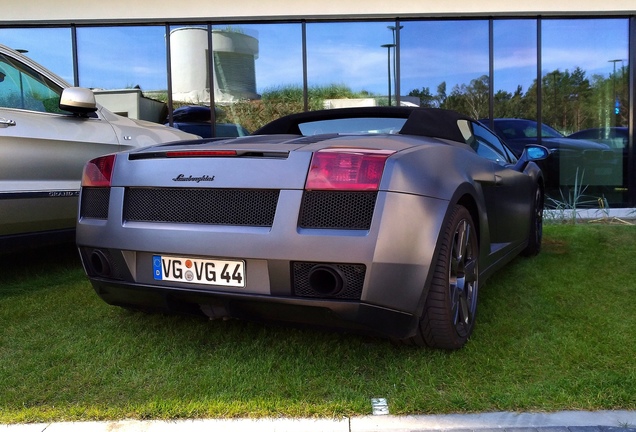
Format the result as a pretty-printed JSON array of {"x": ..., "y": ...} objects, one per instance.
[{"x": 227, "y": 273}]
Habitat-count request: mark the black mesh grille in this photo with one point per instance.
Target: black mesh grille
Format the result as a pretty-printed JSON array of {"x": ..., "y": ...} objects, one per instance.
[
  {"x": 95, "y": 203},
  {"x": 353, "y": 280},
  {"x": 245, "y": 207},
  {"x": 337, "y": 210}
]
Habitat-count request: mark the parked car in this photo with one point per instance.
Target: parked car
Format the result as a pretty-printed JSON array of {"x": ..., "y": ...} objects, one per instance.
[
  {"x": 617, "y": 138},
  {"x": 196, "y": 119},
  {"x": 569, "y": 157},
  {"x": 384, "y": 220},
  {"x": 48, "y": 131},
  {"x": 517, "y": 133},
  {"x": 614, "y": 137}
]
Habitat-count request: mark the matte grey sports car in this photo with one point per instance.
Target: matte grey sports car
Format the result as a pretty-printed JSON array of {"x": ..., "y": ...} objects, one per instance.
[{"x": 380, "y": 220}]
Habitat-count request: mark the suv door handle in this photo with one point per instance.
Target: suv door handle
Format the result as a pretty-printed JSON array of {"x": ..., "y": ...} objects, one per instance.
[{"x": 6, "y": 123}]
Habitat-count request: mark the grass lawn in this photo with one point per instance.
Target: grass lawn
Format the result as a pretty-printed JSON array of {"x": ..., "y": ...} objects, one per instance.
[{"x": 554, "y": 332}]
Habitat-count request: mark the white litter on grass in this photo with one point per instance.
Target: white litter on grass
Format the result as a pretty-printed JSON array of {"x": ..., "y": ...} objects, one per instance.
[{"x": 380, "y": 406}]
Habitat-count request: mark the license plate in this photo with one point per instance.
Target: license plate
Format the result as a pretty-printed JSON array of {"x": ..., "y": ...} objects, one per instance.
[{"x": 227, "y": 273}]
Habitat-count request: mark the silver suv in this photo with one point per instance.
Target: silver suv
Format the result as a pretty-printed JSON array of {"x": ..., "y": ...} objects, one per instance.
[{"x": 48, "y": 131}]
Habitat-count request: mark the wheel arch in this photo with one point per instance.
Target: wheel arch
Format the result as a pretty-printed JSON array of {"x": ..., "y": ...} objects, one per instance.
[
  {"x": 467, "y": 196},
  {"x": 468, "y": 201}
]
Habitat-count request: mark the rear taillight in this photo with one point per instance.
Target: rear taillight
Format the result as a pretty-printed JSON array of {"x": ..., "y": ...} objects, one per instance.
[
  {"x": 346, "y": 169},
  {"x": 98, "y": 172}
]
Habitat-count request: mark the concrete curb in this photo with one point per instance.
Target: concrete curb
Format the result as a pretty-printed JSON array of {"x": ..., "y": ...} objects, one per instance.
[
  {"x": 496, "y": 420},
  {"x": 508, "y": 421}
]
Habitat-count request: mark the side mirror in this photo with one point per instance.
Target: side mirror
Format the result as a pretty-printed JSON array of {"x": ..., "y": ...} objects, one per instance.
[
  {"x": 535, "y": 152},
  {"x": 78, "y": 100},
  {"x": 531, "y": 153}
]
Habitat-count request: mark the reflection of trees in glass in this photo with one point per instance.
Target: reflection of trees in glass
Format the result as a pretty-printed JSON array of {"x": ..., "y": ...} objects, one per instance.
[
  {"x": 284, "y": 100},
  {"x": 566, "y": 97},
  {"x": 570, "y": 101},
  {"x": 427, "y": 99},
  {"x": 514, "y": 105},
  {"x": 471, "y": 99}
]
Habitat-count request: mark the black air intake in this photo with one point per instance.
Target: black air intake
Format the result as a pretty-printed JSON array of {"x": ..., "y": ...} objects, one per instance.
[
  {"x": 94, "y": 203},
  {"x": 337, "y": 210},
  {"x": 243, "y": 207}
]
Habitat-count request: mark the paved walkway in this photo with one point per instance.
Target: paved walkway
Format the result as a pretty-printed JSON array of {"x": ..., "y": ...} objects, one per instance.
[{"x": 566, "y": 421}]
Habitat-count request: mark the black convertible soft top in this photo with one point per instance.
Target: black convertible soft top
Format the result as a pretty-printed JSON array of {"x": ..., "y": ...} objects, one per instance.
[{"x": 429, "y": 122}]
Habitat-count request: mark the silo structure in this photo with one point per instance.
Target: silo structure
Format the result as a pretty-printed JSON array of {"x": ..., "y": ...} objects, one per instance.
[{"x": 235, "y": 54}]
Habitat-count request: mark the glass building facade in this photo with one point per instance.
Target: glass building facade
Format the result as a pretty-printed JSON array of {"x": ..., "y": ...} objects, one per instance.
[{"x": 549, "y": 80}]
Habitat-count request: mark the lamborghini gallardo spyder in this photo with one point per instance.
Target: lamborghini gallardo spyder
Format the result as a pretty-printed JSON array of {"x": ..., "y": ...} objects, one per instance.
[{"x": 381, "y": 220}]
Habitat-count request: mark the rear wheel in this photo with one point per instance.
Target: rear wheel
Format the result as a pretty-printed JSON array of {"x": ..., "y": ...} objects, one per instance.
[{"x": 451, "y": 303}]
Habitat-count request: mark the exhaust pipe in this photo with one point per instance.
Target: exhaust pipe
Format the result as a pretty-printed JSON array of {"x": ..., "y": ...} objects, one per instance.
[
  {"x": 326, "y": 279},
  {"x": 100, "y": 263}
]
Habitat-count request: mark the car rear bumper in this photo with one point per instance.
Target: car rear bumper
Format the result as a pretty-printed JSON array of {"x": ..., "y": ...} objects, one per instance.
[{"x": 335, "y": 314}]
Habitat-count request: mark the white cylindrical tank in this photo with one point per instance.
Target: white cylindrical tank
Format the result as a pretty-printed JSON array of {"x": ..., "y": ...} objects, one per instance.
[{"x": 234, "y": 65}]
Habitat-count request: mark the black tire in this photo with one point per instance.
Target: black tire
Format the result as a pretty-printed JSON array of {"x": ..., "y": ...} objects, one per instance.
[
  {"x": 536, "y": 225},
  {"x": 451, "y": 304}
]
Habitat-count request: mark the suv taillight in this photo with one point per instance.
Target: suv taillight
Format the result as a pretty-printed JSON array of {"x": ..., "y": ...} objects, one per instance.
[
  {"x": 346, "y": 169},
  {"x": 98, "y": 172}
]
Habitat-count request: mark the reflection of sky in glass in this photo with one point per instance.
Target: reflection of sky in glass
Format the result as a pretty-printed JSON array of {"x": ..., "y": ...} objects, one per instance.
[
  {"x": 50, "y": 47},
  {"x": 347, "y": 53},
  {"x": 122, "y": 57},
  {"x": 515, "y": 54},
  {"x": 588, "y": 44},
  {"x": 433, "y": 52}
]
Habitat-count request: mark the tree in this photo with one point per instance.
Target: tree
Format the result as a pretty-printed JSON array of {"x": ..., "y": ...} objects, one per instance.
[{"x": 426, "y": 97}]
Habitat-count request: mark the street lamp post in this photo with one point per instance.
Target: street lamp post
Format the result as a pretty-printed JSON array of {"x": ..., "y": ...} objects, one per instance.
[
  {"x": 388, "y": 53},
  {"x": 395, "y": 29},
  {"x": 616, "y": 104}
]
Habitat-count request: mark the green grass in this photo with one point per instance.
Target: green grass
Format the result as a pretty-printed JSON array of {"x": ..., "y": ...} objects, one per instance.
[{"x": 555, "y": 332}]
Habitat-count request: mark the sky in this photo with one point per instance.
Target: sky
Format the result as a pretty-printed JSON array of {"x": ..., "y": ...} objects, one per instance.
[{"x": 348, "y": 53}]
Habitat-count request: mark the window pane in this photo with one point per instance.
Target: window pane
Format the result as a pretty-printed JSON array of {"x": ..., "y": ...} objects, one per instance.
[
  {"x": 445, "y": 64},
  {"x": 350, "y": 64},
  {"x": 24, "y": 88},
  {"x": 127, "y": 68},
  {"x": 515, "y": 68},
  {"x": 584, "y": 86},
  {"x": 271, "y": 78},
  {"x": 50, "y": 47},
  {"x": 257, "y": 76}
]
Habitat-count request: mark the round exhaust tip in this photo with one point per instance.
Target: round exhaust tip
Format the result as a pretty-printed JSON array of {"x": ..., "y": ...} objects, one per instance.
[
  {"x": 326, "y": 279},
  {"x": 100, "y": 263}
]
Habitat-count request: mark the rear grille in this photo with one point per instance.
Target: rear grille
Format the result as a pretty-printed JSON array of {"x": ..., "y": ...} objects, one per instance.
[
  {"x": 95, "y": 202},
  {"x": 353, "y": 281},
  {"x": 244, "y": 207},
  {"x": 337, "y": 210}
]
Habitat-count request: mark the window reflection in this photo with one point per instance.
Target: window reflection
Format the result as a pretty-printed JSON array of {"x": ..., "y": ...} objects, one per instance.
[
  {"x": 126, "y": 67},
  {"x": 24, "y": 88},
  {"x": 122, "y": 57},
  {"x": 350, "y": 64},
  {"x": 515, "y": 68},
  {"x": 272, "y": 84},
  {"x": 257, "y": 76},
  {"x": 584, "y": 68},
  {"x": 50, "y": 47},
  {"x": 445, "y": 64}
]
